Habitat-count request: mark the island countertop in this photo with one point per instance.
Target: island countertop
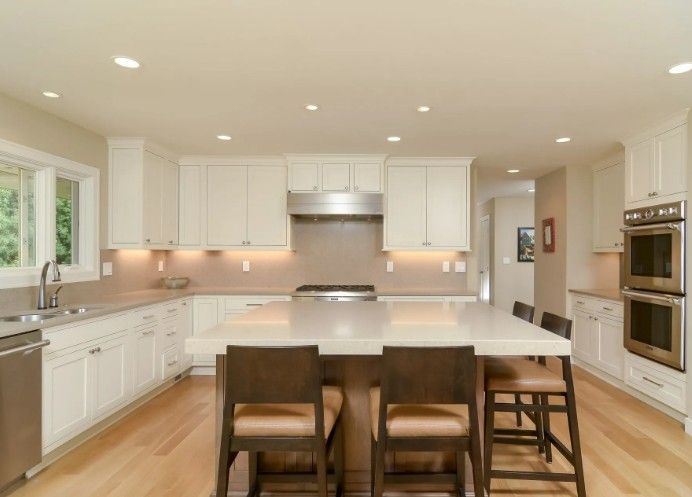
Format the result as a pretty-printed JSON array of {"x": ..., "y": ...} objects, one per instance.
[{"x": 363, "y": 328}]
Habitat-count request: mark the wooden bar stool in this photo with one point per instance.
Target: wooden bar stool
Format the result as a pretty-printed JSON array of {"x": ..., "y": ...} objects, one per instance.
[
  {"x": 274, "y": 401},
  {"x": 525, "y": 312},
  {"x": 523, "y": 376},
  {"x": 426, "y": 402}
]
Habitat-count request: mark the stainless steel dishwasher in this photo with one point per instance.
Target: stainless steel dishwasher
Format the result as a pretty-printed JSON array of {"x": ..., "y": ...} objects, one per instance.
[{"x": 20, "y": 404}]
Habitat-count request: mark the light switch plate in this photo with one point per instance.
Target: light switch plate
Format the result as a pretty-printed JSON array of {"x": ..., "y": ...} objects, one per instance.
[
  {"x": 390, "y": 267},
  {"x": 445, "y": 266},
  {"x": 506, "y": 260},
  {"x": 246, "y": 266},
  {"x": 107, "y": 269},
  {"x": 160, "y": 266},
  {"x": 460, "y": 267}
]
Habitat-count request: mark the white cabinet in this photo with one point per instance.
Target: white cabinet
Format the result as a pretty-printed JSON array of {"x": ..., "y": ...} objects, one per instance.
[
  {"x": 143, "y": 197},
  {"x": 335, "y": 173},
  {"x": 427, "y": 205},
  {"x": 656, "y": 164},
  {"x": 666, "y": 385},
  {"x": 267, "y": 218},
  {"x": 206, "y": 315},
  {"x": 111, "y": 373},
  {"x": 226, "y": 205},
  {"x": 144, "y": 355},
  {"x": 192, "y": 195},
  {"x": 597, "y": 334},
  {"x": 608, "y": 206},
  {"x": 185, "y": 326}
]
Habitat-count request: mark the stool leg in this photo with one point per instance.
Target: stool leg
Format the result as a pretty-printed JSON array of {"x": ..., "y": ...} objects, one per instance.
[
  {"x": 574, "y": 436},
  {"x": 517, "y": 400},
  {"x": 461, "y": 472},
  {"x": 538, "y": 421},
  {"x": 379, "y": 469},
  {"x": 226, "y": 458},
  {"x": 252, "y": 474},
  {"x": 545, "y": 400},
  {"x": 489, "y": 431},
  {"x": 477, "y": 466},
  {"x": 373, "y": 458},
  {"x": 321, "y": 469},
  {"x": 339, "y": 459}
]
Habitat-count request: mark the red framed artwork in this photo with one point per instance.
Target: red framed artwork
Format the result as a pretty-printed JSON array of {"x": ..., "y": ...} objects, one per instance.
[{"x": 549, "y": 235}]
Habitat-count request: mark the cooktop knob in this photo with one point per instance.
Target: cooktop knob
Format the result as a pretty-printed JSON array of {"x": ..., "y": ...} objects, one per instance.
[{"x": 649, "y": 213}]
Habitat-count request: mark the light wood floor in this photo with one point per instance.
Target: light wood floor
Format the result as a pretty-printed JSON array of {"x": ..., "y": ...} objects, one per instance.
[{"x": 165, "y": 449}]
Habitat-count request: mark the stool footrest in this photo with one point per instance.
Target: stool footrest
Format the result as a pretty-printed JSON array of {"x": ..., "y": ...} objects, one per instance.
[{"x": 533, "y": 475}]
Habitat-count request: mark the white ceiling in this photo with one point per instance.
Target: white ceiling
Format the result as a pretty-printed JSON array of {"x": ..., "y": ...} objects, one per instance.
[{"x": 504, "y": 77}]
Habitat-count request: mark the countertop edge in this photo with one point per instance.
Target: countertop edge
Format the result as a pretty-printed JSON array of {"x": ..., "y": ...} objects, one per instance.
[{"x": 611, "y": 294}]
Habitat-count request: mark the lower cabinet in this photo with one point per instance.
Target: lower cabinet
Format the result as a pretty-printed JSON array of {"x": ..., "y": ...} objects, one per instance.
[
  {"x": 111, "y": 373},
  {"x": 144, "y": 355}
]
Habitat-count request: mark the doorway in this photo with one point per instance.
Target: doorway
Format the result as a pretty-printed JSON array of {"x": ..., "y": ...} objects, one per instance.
[{"x": 484, "y": 261}]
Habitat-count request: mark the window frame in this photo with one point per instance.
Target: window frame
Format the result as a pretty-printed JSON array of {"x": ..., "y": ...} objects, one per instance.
[{"x": 48, "y": 167}]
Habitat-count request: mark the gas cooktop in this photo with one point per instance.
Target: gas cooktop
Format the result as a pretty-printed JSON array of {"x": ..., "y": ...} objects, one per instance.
[
  {"x": 336, "y": 288},
  {"x": 337, "y": 293}
]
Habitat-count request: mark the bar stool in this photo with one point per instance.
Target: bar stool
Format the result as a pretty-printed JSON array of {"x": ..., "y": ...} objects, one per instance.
[
  {"x": 274, "y": 401},
  {"x": 426, "y": 402},
  {"x": 522, "y": 376},
  {"x": 525, "y": 312}
]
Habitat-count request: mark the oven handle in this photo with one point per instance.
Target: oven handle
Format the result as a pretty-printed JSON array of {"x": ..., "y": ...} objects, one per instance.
[
  {"x": 670, "y": 226},
  {"x": 671, "y": 299},
  {"x": 25, "y": 348}
]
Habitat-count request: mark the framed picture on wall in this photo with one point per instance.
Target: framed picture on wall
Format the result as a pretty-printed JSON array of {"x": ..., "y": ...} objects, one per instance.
[
  {"x": 526, "y": 244},
  {"x": 549, "y": 235}
]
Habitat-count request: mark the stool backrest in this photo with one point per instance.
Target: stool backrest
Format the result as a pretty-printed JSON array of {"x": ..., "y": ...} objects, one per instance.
[
  {"x": 423, "y": 375},
  {"x": 523, "y": 311},
  {"x": 557, "y": 324},
  {"x": 273, "y": 375}
]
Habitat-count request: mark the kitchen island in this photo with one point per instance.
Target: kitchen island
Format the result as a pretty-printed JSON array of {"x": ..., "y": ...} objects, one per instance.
[{"x": 350, "y": 337}]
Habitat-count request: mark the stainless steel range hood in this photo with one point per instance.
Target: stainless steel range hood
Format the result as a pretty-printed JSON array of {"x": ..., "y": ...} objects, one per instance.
[{"x": 355, "y": 205}]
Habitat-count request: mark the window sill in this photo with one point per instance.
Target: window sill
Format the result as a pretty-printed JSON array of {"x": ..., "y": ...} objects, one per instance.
[{"x": 28, "y": 277}]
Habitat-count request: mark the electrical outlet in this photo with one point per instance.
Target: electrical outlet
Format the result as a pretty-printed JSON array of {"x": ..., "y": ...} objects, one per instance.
[
  {"x": 246, "y": 266},
  {"x": 445, "y": 266},
  {"x": 390, "y": 267},
  {"x": 460, "y": 267},
  {"x": 506, "y": 260},
  {"x": 160, "y": 266},
  {"x": 107, "y": 269}
]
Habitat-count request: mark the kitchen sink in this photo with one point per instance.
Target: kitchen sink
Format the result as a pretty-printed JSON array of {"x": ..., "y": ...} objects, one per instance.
[
  {"x": 76, "y": 310},
  {"x": 47, "y": 314},
  {"x": 27, "y": 318}
]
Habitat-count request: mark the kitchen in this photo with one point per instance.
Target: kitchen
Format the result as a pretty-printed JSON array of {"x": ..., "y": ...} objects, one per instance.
[{"x": 373, "y": 231}]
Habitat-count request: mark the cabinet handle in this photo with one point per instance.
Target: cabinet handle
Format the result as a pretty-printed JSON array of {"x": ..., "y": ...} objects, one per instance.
[
  {"x": 148, "y": 316},
  {"x": 144, "y": 333},
  {"x": 148, "y": 240},
  {"x": 346, "y": 188},
  {"x": 429, "y": 243},
  {"x": 183, "y": 303},
  {"x": 653, "y": 194},
  {"x": 659, "y": 385},
  {"x": 314, "y": 188},
  {"x": 580, "y": 302},
  {"x": 595, "y": 318},
  {"x": 607, "y": 308},
  {"x": 243, "y": 242},
  {"x": 171, "y": 333},
  {"x": 170, "y": 242},
  {"x": 423, "y": 243},
  {"x": 356, "y": 188},
  {"x": 254, "y": 305},
  {"x": 248, "y": 242},
  {"x": 95, "y": 350},
  {"x": 171, "y": 363},
  {"x": 172, "y": 310}
]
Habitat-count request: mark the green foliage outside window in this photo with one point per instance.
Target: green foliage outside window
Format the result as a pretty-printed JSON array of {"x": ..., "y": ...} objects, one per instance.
[{"x": 9, "y": 227}]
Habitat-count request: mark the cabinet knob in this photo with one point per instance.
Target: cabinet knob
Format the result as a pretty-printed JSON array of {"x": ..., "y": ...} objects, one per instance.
[
  {"x": 346, "y": 188},
  {"x": 170, "y": 242},
  {"x": 423, "y": 243},
  {"x": 148, "y": 240},
  {"x": 243, "y": 242},
  {"x": 314, "y": 188},
  {"x": 248, "y": 242},
  {"x": 356, "y": 188}
]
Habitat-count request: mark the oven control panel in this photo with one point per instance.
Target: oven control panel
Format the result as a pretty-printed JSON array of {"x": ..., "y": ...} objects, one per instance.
[{"x": 663, "y": 213}]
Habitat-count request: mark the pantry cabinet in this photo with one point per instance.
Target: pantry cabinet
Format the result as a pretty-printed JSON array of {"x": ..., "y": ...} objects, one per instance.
[
  {"x": 190, "y": 212},
  {"x": 335, "y": 173},
  {"x": 143, "y": 196},
  {"x": 427, "y": 204},
  {"x": 656, "y": 164},
  {"x": 608, "y": 207}
]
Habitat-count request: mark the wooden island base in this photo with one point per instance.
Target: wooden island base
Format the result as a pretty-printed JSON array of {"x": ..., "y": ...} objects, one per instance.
[{"x": 355, "y": 374}]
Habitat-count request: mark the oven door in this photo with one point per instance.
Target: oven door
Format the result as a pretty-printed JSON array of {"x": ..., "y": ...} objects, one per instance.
[
  {"x": 655, "y": 257},
  {"x": 655, "y": 327}
]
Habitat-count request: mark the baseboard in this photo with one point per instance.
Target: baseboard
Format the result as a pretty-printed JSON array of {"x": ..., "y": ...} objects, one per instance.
[
  {"x": 203, "y": 371},
  {"x": 621, "y": 385}
]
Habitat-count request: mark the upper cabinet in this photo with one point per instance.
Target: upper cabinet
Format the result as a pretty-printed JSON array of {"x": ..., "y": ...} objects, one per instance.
[
  {"x": 608, "y": 206},
  {"x": 143, "y": 196},
  {"x": 656, "y": 164},
  {"x": 335, "y": 173},
  {"x": 231, "y": 207},
  {"x": 427, "y": 204}
]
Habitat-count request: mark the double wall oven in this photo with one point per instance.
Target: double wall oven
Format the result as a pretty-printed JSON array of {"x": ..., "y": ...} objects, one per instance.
[{"x": 654, "y": 293}]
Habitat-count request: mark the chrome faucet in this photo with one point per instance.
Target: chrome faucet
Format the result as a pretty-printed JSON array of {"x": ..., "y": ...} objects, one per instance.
[{"x": 42, "y": 285}]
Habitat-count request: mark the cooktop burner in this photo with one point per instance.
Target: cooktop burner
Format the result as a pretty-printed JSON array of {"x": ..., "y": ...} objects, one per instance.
[{"x": 336, "y": 288}]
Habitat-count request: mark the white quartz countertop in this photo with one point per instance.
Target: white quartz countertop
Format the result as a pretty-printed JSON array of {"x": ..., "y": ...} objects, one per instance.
[{"x": 363, "y": 328}]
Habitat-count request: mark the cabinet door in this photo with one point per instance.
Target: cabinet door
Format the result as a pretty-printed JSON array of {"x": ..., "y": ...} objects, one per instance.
[
  {"x": 169, "y": 202},
  {"x": 206, "y": 315},
  {"x": 111, "y": 378},
  {"x": 190, "y": 218},
  {"x": 144, "y": 359},
  {"x": 126, "y": 197},
  {"x": 582, "y": 344},
  {"x": 366, "y": 177},
  {"x": 66, "y": 396},
  {"x": 266, "y": 206},
  {"x": 336, "y": 177},
  {"x": 447, "y": 207},
  {"x": 610, "y": 351},
  {"x": 608, "y": 205},
  {"x": 406, "y": 205},
  {"x": 670, "y": 171},
  {"x": 639, "y": 171},
  {"x": 226, "y": 205},
  {"x": 152, "y": 195},
  {"x": 185, "y": 331},
  {"x": 304, "y": 176}
]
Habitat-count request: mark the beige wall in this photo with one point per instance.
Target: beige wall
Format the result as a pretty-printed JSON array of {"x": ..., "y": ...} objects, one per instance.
[
  {"x": 488, "y": 209},
  {"x": 513, "y": 281},
  {"x": 325, "y": 252}
]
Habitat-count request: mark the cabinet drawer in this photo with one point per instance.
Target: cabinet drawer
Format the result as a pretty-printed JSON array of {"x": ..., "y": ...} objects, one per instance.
[
  {"x": 171, "y": 362},
  {"x": 232, "y": 305},
  {"x": 170, "y": 335},
  {"x": 668, "y": 387},
  {"x": 608, "y": 308},
  {"x": 170, "y": 311},
  {"x": 64, "y": 337},
  {"x": 584, "y": 303},
  {"x": 144, "y": 317}
]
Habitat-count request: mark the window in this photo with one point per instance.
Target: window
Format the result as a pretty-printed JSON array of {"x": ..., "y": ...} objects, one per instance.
[
  {"x": 17, "y": 217},
  {"x": 48, "y": 210}
]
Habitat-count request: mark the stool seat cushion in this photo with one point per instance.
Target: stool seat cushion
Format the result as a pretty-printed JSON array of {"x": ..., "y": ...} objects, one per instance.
[
  {"x": 287, "y": 420},
  {"x": 420, "y": 420},
  {"x": 521, "y": 376}
]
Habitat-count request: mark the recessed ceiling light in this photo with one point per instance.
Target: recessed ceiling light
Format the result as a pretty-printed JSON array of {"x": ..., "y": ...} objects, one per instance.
[
  {"x": 423, "y": 108},
  {"x": 223, "y": 137},
  {"x": 563, "y": 139},
  {"x": 126, "y": 62},
  {"x": 51, "y": 94},
  {"x": 531, "y": 190},
  {"x": 393, "y": 138},
  {"x": 512, "y": 171},
  {"x": 681, "y": 68},
  {"x": 312, "y": 107}
]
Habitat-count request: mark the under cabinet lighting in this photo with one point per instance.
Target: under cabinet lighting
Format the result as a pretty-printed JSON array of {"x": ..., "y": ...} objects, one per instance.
[
  {"x": 393, "y": 139},
  {"x": 531, "y": 190},
  {"x": 126, "y": 62},
  {"x": 51, "y": 94},
  {"x": 512, "y": 171},
  {"x": 681, "y": 68},
  {"x": 223, "y": 137},
  {"x": 423, "y": 108},
  {"x": 312, "y": 107},
  {"x": 563, "y": 139}
]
